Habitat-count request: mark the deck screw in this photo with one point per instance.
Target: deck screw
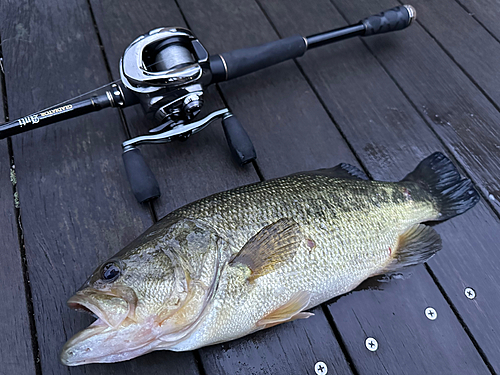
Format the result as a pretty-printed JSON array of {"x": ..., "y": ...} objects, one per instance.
[
  {"x": 371, "y": 344},
  {"x": 320, "y": 368},
  {"x": 431, "y": 313},
  {"x": 470, "y": 293}
]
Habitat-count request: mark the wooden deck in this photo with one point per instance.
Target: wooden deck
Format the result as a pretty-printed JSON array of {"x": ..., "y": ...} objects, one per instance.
[{"x": 382, "y": 103}]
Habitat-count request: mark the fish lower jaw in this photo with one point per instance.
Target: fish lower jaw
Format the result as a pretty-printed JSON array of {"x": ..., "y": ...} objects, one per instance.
[{"x": 101, "y": 343}]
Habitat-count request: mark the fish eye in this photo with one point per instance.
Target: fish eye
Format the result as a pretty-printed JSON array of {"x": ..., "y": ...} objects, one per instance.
[{"x": 110, "y": 272}]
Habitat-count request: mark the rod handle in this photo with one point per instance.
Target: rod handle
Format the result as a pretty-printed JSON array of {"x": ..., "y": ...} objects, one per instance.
[
  {"x": 142, "y": 180},
  {"x": 239, "y": 62},
  {"x": 238, "y": 141},
  {"x": 393, "y": 19}
]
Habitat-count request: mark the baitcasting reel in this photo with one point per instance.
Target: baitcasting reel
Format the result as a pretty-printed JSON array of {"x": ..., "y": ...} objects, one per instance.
[{"x": 167, "y": 70}]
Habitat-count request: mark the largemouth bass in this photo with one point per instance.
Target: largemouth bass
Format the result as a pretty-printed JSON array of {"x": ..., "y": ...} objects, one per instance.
[{"x": 260, "y": 255}]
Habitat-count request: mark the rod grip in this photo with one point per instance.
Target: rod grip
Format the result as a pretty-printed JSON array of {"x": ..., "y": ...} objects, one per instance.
[
  {"x": 238, "y": 141},
  {"x": 239, "y": 62},
  {"x": 142, "y": 180},
  {"x": 393, "y": 19}
]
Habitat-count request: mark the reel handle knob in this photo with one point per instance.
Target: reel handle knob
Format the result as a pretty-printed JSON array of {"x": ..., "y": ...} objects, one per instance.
[
  {"x": 238, "y": 140},
  {"x": 142, "y": 180}
]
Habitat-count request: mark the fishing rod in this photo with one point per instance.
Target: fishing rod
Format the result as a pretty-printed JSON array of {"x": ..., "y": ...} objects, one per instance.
[{"x": 167, "y": 70}]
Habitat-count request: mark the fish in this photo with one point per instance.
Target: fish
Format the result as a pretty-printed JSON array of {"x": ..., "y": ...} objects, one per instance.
[{"x": 250, "y": 258}]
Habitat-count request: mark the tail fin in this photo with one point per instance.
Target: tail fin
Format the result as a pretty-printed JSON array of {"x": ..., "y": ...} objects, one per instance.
[{"x": 438, "y": 176}]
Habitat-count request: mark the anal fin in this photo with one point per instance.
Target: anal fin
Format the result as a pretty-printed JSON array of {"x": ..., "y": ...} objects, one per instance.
[
  {"x": 290, "y": 311},
  {"x": 417, "y": 245}
]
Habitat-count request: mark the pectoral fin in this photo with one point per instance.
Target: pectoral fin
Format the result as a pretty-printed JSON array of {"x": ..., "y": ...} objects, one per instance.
[
  {"x": 290, "y": 311},
  {"x": 273, "y": 244}
]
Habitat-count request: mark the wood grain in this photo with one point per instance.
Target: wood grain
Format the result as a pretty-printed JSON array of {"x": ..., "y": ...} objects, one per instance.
[
  {"x": 408, "y": 342},
  {"x": 359, "y": 117},
  {"x": 467, "y": 123},
  {"x": 16, "y": 354},
  {"x": 486, "y": 12},
  {"x": 76, "y": 206},
  {"x": 466, "y": 40},
  {"x": 444, "y": 95},
  {"x": 390, "y": 138}
]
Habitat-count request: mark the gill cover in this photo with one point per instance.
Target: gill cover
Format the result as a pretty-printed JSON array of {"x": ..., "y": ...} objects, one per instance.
[{"x": 197, "y": 251}]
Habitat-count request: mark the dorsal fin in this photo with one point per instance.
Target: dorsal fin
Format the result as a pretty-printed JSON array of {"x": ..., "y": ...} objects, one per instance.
[
  {"x": 342, "y": 170},
  {"x": 273, "y": 244},
  {"x": 291, "y": 310}
]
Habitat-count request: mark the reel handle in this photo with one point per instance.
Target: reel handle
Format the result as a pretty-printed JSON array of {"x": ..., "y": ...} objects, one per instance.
[
  {"x": 238, "y": 140},
  {"x": 142, "y": 180},
  {"x": 239, "y": 62}
]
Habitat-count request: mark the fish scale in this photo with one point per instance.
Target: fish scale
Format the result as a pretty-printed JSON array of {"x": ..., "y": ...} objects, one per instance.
[
  {"x": 259, "y": 255},
  {"x": 341, "y": 236}
]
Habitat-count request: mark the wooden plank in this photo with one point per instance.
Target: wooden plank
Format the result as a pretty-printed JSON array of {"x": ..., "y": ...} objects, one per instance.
[
  {"x": 252, "y": 355},
  {"x": 76, "y": 205},
  {"x": 389, "y": 137},
  {"x": 486, "y": 12},
  {"x": 15, "y": 334},
  {"x": 186, "y": 171},
  {"x": 290, "y": 130},
  {"x": 270, "y": 104},
  {"x": 250, "y": 25},
  {"x": 404, "y": 334},
  {"x": 478, "y": 54},
  {"x": 187, "y": 165},
  {"x": 447, "y": 99},
  {"x": 466, "y": 120}
]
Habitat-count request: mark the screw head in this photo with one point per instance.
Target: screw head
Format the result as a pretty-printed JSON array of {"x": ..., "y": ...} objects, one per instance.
[
  {"x": 431, "y": 313},
  {"x": 371, "y": 344},
  {"x": 320, "y": 368},
  {"x": 470, "y": 293}
]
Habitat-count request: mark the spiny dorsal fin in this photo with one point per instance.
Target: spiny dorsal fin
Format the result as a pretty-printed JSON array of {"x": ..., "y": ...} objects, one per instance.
[
  {"x": 417, "y": 245},
  {"x": 342, "y": 170},
  {"x": 273, "y": 244},
  {"x": 291, "y": 310}
]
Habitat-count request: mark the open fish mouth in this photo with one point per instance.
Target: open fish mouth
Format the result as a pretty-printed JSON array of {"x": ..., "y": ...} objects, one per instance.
[
  {"x": 89, "y": 309},
  {"x": 111, "y": 310},
  {"x": 114, "y": 336}
]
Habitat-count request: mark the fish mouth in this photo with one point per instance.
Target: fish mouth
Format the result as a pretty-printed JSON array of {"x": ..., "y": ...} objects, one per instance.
[
  {"x": 114, "y": 336},
  {"x": 110, "y": 309}
]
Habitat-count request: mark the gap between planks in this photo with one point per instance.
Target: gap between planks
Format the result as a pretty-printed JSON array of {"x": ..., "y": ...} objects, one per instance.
[
  {"x": 318, "y": 96},
  {"x": 477, "y": 20},
  {"x": 462, "y": 69},
  {"x": 35, "y": 349},
  {"x": 463, "y": 169},
  {"x": 123, "y": 120}
]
